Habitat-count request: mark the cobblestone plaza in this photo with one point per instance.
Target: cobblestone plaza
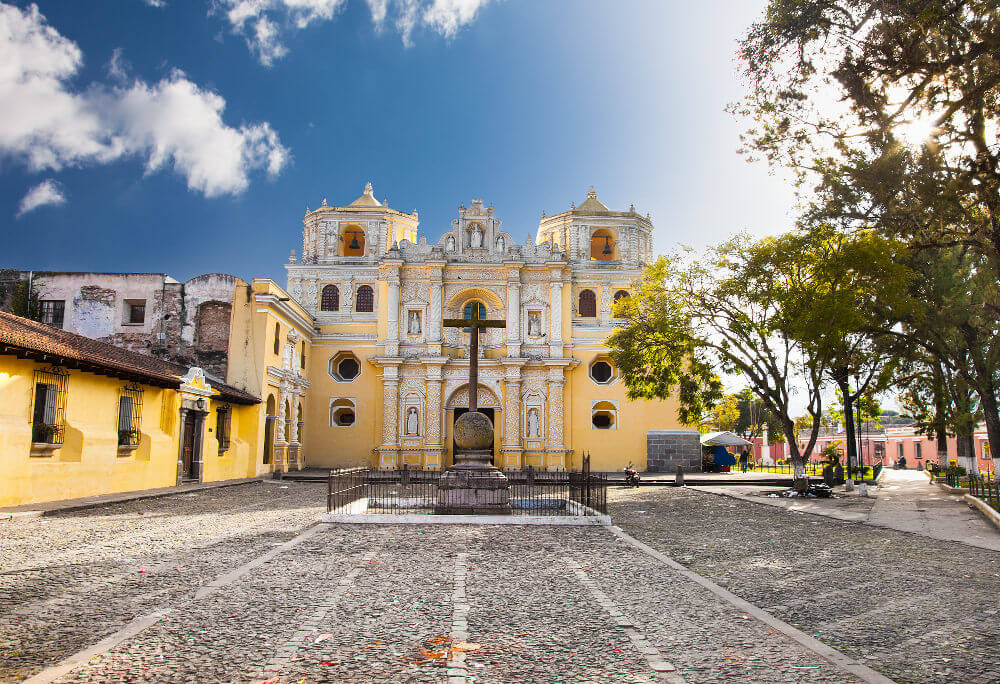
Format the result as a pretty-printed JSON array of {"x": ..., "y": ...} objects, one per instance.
[{"x": 239, "y": 585}]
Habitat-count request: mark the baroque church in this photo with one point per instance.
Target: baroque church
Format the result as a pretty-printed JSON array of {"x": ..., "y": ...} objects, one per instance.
[
  {"x": 126, "y": 381},
  {"x": 388, "y": 379}
]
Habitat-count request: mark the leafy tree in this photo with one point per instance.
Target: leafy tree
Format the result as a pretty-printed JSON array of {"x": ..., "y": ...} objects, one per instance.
[
  {"x": 886, "y": 111},
  {"x": 721, "y": 313},
  {"x": 844, "y": 292},
  {"x": 726, "y": 413},
  {"x": 754, "y": 417}
]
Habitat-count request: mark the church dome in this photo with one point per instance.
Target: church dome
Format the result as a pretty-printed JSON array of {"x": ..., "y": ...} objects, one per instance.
[
  {"x": 367, "y": 198},
  {"x": 592, "y": 203}
]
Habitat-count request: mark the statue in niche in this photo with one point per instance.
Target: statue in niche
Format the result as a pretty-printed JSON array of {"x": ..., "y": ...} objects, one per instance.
[
  {"x": 476, "y": 237},
  {"x": 534, "y": 324},
  {"x": 412, "y": 421},
  {"x": 501, "y": 244},
  {"x": 533, "y": 423},
  {"x": 413, "y": 323},
  {"x": 450, "y": 243}
]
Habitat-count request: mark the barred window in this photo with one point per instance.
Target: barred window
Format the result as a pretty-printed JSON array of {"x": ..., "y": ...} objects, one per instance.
[
  {"x": 277, "y": 338},
  {"x": 330, "y": 301},
  {"x": 53, "y": 312},
  {"x": 48, "y": 409},
  {"x": 588, "y": 304},
  {"x": 129, "y": 416},
  {"x": 366, "y": 299},
  {"x": 223, "y": 426}
]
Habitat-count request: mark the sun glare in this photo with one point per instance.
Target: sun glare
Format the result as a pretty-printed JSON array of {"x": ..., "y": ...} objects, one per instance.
[{"x": 916, "y": 132}]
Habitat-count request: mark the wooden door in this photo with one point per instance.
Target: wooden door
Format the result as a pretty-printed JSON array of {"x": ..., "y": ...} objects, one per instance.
[{"x": 189, "y": 445}]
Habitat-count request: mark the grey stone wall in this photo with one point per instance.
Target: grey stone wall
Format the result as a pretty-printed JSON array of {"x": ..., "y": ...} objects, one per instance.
[{"x": 667, "y": 449}]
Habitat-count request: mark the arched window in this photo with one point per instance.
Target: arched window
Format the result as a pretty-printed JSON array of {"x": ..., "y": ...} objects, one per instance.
[
  {"x": 588, "y": 304},
  {"x": 302, "y": 358},
  {"x": 467, "y": 313},
  {"x": 353, "y": 239},
  {"x": 366, "y": 299},
  {"x": 277, "y": 338},
  {"x": 330, "y": 300},
  {"x": 621, "y": 294},
  {"x": 603, "y": 246}
]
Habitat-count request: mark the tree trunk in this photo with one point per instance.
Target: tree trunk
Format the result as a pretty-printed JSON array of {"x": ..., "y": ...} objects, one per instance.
[
  {"x": 852, "y": 445},
  {"x": 940, "y": 417}
]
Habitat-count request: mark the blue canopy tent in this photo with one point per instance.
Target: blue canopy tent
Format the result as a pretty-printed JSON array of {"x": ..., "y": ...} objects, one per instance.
[{"x": 717, "y": 442}]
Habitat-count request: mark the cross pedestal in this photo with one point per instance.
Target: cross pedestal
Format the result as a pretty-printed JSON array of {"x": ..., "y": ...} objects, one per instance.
[{"x": 473, "y": 485}]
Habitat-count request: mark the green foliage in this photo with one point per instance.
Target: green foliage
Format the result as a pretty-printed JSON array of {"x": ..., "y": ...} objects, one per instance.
[
  {"x": 24, "y": 302},
  {"x": 657, "y": 351},
  {"x": 886, "y": 113},
  {"x": 726, "y": 413}
]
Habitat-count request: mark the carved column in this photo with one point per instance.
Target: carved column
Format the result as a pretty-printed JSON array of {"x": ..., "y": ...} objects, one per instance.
[
  {"x": 392, "y": 315},
  {"x": 555, "y": 447},
  {"x": 432, "y": 411},
  {"x": 433, "y": 323},
  {"x": 280, "y": 430},
  {"x": 511, "y": 446},
  {"x": 293, "y": 437},
  {"x": 555, "y": 314},
  {"x": 605, "y": 304},
  {"x": 389, "y": 451},
  {"x": 513, "y": 314}
]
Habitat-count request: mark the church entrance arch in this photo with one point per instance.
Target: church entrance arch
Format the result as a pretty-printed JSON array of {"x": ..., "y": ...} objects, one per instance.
[{"x": 458, "y": 403}]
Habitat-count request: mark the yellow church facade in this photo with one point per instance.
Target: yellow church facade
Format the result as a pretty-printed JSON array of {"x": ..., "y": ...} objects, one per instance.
[
  {"x": 348, "y": 365},
  {"x": 388, "y": 379}
]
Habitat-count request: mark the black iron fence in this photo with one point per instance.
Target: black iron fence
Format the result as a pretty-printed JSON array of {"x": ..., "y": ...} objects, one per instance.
[
  {"x": 985, "y": 489},
  {"x": 532, "y": 492}
]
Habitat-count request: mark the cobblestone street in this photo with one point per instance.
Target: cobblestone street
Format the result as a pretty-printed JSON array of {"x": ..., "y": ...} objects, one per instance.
[
  {"x": 237, "y": 585},
  {"x": 914, "y": 608}
]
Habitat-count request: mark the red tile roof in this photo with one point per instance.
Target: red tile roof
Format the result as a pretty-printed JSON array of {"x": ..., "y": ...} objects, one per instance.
[{"x": 28, "y": 338}]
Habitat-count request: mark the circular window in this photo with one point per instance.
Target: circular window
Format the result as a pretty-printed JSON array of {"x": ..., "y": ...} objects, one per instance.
[
  {"x": 601, "y": 372},
  {"x": 345, "y": 367}
]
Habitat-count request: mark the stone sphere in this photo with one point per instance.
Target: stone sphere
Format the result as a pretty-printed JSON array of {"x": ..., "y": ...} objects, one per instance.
[{"x": 474, "y": 431}]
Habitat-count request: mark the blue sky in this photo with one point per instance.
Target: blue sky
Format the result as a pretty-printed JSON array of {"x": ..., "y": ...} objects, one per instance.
[{"x": 187, "y": 137}]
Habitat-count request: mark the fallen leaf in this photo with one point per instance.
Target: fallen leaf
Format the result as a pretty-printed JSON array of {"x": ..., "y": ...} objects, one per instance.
[
  {"x": 329, "y": 662},
  {"x": 272, "y": 680},
  {"x": 465, "y": 647}
]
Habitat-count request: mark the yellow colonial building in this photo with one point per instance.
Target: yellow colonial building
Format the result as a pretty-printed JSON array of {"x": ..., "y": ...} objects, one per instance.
[
  {"x": 80, "y": 417},
  {"x": 388, "y": 379},
  {"x": 349, "y": 365}
]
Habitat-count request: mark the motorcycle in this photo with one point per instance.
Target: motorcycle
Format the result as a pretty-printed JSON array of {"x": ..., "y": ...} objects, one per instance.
[{"x": 631, "y": 477}]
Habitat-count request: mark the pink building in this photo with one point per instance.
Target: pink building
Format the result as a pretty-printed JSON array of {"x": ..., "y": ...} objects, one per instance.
[{"x": 892, "y": 443}]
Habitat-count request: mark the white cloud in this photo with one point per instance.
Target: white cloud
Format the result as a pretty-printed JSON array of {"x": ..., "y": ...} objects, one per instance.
[
  {"x": 264, "y": 24},
  {"x": 118, "y": 66},
  {"x": 46, "y": 192},
  {"x": 156, "y": 3},
  {"x": 261, "y": 22},
  {"x": 447, "y": 16},
  {"x": 48, "y": 125}
]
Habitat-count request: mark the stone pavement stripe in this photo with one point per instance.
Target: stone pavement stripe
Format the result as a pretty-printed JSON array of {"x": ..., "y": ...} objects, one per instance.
[
  {"x": 139, "y": 624},
  {"x": 310, "y": 624},
  {"x": 665, "y": 670},
  {"x": 457, "y": 668},
  {"x": 839, "y": 659}
]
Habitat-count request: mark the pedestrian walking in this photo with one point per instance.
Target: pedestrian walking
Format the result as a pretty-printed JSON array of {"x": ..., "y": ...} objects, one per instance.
[{"x": 744, "y": 460}]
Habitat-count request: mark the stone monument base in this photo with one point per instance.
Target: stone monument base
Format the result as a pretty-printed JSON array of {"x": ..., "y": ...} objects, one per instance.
[{"x": 473, "y": 487}]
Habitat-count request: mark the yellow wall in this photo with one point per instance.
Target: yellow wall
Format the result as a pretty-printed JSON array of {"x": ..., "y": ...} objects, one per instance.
[
  {"x": 88, "y": 463},
  {"x": 331, "y": 446}
]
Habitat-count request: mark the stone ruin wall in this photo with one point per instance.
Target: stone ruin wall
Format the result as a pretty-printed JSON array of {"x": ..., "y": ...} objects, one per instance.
[{"x": 194, "y": 317}]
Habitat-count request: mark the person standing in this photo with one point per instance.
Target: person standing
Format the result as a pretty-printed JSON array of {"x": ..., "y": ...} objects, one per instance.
[{"x": 744, "y": 460}]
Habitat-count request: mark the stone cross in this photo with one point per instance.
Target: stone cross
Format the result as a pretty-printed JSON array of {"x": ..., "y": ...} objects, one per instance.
[{"x": 474, "y": 324}]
